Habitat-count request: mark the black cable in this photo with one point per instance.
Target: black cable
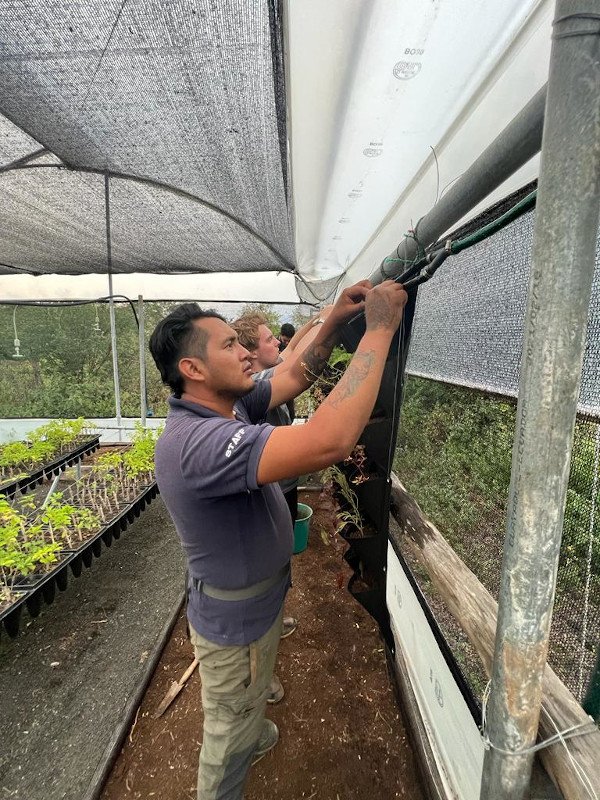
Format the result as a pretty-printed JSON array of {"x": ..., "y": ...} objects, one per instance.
[
  {"x": 59, "y": 303},
  {"x": 437, "y": 259}
]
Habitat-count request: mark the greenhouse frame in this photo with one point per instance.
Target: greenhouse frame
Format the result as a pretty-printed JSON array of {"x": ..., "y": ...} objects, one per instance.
[{"x": 273, "y": 153}]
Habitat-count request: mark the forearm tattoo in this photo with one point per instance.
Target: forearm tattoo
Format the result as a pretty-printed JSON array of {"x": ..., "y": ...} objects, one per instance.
[
  {"x": 316, "y": 358},
  {"x": 359, "y": 368}
]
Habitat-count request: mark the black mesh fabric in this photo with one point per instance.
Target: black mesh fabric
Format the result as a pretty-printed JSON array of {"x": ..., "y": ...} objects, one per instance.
[
  {"x": 58, "y": 225},
  {"x": 14, "y": 143},
  {"x": 456, "y": 437}
]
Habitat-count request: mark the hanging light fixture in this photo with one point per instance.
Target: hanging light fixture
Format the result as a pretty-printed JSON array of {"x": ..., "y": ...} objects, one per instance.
[
  {"x": 96, "y": 326},
  {"x": 17, "y": 342}
]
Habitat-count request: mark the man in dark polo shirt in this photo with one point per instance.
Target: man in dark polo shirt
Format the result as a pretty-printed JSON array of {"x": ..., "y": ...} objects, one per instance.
[{"x": 217, "y": 470}]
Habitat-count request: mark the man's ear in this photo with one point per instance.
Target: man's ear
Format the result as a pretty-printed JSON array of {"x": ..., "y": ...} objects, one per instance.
[
  {"x": 192, "y": 369},
  {"x": 252, "y": 355}
]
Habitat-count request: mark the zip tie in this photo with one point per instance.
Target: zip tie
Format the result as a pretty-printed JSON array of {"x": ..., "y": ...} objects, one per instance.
[{"x": 580, "y": 729}]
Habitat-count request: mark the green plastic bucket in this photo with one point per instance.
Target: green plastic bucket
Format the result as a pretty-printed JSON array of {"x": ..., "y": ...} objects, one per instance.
[{"x": 301, "y": 527}]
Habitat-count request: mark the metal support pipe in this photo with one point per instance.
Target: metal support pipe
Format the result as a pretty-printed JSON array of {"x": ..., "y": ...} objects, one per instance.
[
  {"x": 512, "y": 148},
  {"x": 111, "y": 306},
  {"x": 142, "y": 343},
  {"x": 51, "y": 490},
  {"x": 562, "y": 269}
]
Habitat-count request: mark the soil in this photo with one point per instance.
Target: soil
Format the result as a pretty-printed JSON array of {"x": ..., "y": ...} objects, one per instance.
[{"x": 342, "y": 735}]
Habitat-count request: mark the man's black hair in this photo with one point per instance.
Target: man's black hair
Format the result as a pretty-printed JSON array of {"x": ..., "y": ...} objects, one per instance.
[
  {"x": 287, "y": 329},
  {"x": 176, "y": 336}
]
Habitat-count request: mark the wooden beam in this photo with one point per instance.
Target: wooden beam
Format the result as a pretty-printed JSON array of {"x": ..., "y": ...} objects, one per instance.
[{"x": 475, "y": 610}]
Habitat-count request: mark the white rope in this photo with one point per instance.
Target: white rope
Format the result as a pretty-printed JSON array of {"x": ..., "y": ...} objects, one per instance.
[
  {"x": 581, "y": 773},
  {"x": 588, "y": 578},
  {"x": 580, "y": 729}
]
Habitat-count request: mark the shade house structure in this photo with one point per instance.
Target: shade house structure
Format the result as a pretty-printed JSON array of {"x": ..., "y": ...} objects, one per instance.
[{"x": 277, "y": 151}]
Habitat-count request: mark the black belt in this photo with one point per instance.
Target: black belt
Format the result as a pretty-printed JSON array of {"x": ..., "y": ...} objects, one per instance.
[{"x": 240, "y": 594}]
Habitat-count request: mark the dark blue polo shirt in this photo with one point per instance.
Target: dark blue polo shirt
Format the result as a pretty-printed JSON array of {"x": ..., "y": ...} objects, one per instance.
[{"x": 234, "y": 532}]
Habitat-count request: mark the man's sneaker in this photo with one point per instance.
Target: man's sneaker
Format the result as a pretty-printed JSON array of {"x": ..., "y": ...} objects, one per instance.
[
  {"x": 275, "y": 690},
  {"x": 289, "y": 626},
  {"x": 269, "y": 737}
]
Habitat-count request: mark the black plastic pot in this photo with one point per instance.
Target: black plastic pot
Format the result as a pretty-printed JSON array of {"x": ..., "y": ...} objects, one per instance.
[
  {"x": 76, "y": 566},
  {"x": 39, "y": 580},
  {"x": 34, "y": 603},
  {"x": 373, "y": 601},
  {"x": 11, "y": 616},
  {"x": 41, "y": 588}
]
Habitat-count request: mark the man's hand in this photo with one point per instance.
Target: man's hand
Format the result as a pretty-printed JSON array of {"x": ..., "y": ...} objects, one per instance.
[
  {"x": 331, "y": 434},
  {"x": 349, "y": 303},
  {"x": 384, "y": 305}
]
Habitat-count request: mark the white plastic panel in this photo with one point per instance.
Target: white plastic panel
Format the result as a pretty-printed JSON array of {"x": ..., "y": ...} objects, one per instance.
[
  {"x": 390, "y": 81},
  {"x": 454, "y": 737}
]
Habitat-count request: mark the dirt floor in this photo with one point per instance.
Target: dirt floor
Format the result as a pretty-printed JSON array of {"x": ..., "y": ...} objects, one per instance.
[{"x": 342, "y": 736}]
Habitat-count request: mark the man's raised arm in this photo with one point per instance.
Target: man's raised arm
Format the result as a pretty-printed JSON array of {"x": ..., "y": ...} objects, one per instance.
[
  {"x": 331, "y": 434},
  {"x": 298, "y": 373}
]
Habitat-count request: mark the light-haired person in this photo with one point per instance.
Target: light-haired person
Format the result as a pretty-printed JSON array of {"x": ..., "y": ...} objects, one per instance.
[{"x": 255, "y": 335}]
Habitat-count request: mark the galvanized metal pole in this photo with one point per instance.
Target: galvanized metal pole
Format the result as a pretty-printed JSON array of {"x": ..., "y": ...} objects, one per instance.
[
  {"x": 518, "y": 142},
  {"x": 142, "y": 343},
  {"x": 562, "y": 269},
  {"x": 111, "y": 309}
]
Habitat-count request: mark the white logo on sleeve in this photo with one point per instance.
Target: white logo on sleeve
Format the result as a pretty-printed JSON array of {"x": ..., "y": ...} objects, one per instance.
[{"x": 234, "y": 442}]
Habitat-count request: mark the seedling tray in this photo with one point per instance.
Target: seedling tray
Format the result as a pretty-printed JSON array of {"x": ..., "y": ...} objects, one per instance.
[
  {"x": 24, "y": 483},
  {"x": 36, "y": 589},
  {"x": 10, "y": 617}
]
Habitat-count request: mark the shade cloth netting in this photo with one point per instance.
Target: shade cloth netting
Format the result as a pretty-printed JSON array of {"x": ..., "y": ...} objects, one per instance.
[{"x": 184, "y": 94}]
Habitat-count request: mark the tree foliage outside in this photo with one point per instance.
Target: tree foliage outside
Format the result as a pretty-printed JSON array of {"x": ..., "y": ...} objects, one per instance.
[
  {"x": 66, "y": 369},
  {"x": 67, "y": 366},
  {"x": 454, "y": 455}
]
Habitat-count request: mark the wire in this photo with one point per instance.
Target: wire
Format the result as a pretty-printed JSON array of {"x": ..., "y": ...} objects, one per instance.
[
  {"x": 435, "y": 257},
  {"x": 580, "y": 729},
  {"x": 581, "y": 773},
  {"x": 415, "y": 263},
  {"x": 60, "y": 303},
  {"x": 460, "y": 174},
  {"x": 115, "y": 23}
]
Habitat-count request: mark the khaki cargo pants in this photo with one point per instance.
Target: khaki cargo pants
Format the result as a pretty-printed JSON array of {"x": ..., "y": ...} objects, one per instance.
[{"x": 235, "y": 687}]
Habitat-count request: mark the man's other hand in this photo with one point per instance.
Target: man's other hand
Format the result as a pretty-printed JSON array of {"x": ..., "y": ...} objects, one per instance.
[
  {"x": 350, "y": 302},
  {"x": 384, "y": 305}
]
